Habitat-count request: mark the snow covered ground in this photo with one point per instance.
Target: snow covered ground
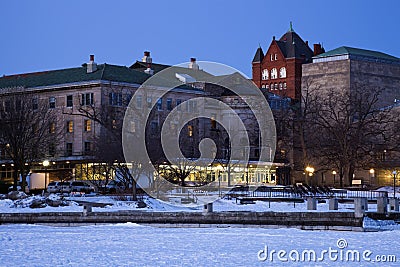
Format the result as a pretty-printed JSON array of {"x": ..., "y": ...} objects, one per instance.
[
  {"x": 134, "y": 245},
  {"x": 8, "y": 206}
]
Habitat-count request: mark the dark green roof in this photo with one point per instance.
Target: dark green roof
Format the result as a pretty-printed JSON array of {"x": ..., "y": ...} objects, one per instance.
[
  {"x": 345, "y": 50},
  {"x": 105, "y": 72}
]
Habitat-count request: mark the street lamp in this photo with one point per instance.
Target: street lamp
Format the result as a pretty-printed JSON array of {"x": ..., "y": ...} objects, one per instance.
[
  {"x": 310, "y": 171},
  {"x": 334, "y": 177},
  {"x": 394, "y": 183},
  {"x": 372, "y": 172},
  {"x": 219, "y": 169},
  {"x": 46, "y": 164}
]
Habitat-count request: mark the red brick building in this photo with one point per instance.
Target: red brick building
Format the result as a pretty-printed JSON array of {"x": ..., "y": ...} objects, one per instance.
[{"x": 279, "y": 70}]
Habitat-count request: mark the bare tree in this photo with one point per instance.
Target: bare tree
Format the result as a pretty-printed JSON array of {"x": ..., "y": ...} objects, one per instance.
[
  {"x": 344, "y": 128},
  {"x": 29, "y": 129}
]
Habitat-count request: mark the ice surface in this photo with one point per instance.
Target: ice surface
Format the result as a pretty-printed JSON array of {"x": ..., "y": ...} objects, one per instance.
[{"x": 133, "y": 245}]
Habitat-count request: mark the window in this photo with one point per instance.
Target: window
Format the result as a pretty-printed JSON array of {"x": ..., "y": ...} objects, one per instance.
[
  {"x": 52, "y": 150},
  {"x": 274, "y": 57},
  {"x": 87, "y": 147},
  {"x": 114, "y": 124},
  {"x": 87, "y": 99},
  {"x": 149, "y": 102},
  {"x": 88, "y": 125},
  {"x": 169, "y": 103},
  {"x": 280, "y": 86},
  {"x": 52, "y": 102},
  {"x": 159, "y": 104},
  {"x": 191, "y": 106},
  {"x": 52, "y": 127},
  {"x": 282, "y": 72},
  {"x": 276, "y": 86},
  {"x": 115, "y": 99},
  {"x": 139, "y": 101},
  {"x": 190, "y": 130},
  {"x": 154, "y": 127},
  {"x": 267, "y": 86},
  {"x": 284, "y": 86},
  {"x": 132, "y": 127},
  {"x": 35, "y": 103},
  {"x": 70, "y": 102},
  {"x": 274, "y": 73},
  {"x": 70, "y": 126},
  {"x": 265, "y": 74},
  {"x": 128, "y": 99},
  {"x": 178, "y": 102},
  {"x": 213, "y": 121},
  {"x": 68, "y": 149}
]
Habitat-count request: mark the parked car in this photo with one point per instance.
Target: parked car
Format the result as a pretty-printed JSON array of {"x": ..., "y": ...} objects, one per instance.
[
  {"x": 82, "y": 186},
  {"x": 52, "y": 187},
  {"x": 59, "y": 187}
]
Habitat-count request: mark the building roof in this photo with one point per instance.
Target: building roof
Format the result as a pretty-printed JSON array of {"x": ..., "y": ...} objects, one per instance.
[
  {"x": 141, "y": 66},
  {"x": 292, "y": 46},
  {"x": 72, "y": 75},
  {"x": 345, "y": 50},
  {"x": 258, "y": 57}
]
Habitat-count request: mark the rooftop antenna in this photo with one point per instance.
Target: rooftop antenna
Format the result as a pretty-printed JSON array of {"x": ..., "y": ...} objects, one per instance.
[{"x": 291, "y": 27}]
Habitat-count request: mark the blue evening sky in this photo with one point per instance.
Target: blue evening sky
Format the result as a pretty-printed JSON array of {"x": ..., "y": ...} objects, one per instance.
[{"x": 46, "y": 35}]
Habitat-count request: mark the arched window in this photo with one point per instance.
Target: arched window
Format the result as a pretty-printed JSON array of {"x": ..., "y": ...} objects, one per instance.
[
  {"x": 274, "y": 73},
  {"x": 282, "y": 72},
  {"x": 280, "y": 86},
  {"x": 265, "y": 74},
  {"x": 284, "y": 86},
  {"x": 263, "y": 86},
  {"x": 267, "y": 86},
  {"x": 276, "y": 86}
]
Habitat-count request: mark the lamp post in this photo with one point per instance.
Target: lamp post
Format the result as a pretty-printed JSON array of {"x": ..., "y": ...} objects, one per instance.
[
  {"x": 219, "y": 169},
  {"x": 394, "y": 183},
  {"x": 46, "y": 164},
  {"x": 310, "y": 171},
  {"x": 334, "y": 178},
  {"x": 372, "y": 172}
]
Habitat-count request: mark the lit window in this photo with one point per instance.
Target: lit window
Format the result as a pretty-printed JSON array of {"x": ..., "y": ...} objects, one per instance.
[
  {"x": 52, "y": 102},
  {"x": 52, "y": 128},
  {"x": 190, "y": 130},
  {"x": 282, "y": 72},
  {"x": 69, "y": 101},
  {"x": 265, "y": 74},
  {"x": 70, "y": 126},
  {"x": 274, "y": 73},
  {"x": 213, "y": 121},
  {"x": 88, "y": 125}
]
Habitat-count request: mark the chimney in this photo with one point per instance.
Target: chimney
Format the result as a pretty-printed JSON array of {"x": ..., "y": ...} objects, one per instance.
[
  {"x": 146, "y": 58},
  {"x": 91, "y": 66},
  {"x": 193, "y": 64},
  {"x": 318, "y": 49},
  {"x": 306, "y": 43}
]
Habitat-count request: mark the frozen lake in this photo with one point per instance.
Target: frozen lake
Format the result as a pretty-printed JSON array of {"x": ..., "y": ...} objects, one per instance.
[{"x": 133, "y": 245}]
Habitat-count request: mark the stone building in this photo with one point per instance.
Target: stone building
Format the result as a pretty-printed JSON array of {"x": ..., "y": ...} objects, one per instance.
[{"x": 347, "y": 69}]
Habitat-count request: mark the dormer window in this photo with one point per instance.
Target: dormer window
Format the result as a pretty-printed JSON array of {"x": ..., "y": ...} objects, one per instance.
[
  {"x": 265, "y": 74},
  {"x": 274, "y": 73},
  {"x": 282, "y": 72}
]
